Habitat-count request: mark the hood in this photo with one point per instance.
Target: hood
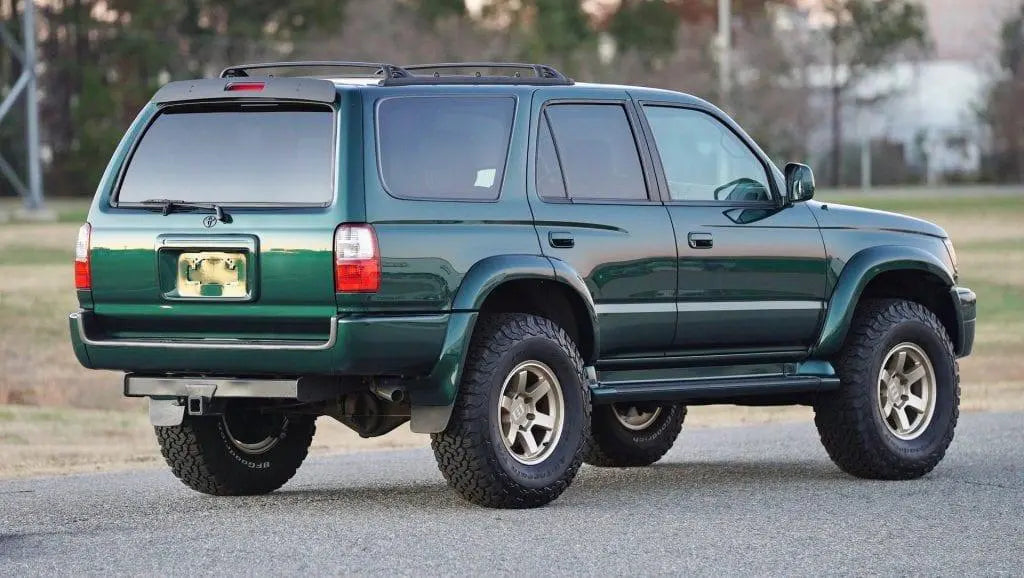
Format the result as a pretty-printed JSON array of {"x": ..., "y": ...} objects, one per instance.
[{"x": 835, "y": 215}]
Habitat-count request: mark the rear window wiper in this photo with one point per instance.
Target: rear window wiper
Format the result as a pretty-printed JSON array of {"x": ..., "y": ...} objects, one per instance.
[{"x": 169, "y": 205}]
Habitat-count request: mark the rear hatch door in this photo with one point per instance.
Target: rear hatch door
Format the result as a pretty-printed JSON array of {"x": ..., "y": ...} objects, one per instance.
[{"x": 220, "y": 226}]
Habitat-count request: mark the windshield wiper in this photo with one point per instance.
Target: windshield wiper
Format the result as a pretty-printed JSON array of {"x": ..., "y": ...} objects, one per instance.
[{"x": 169, "y": 205}]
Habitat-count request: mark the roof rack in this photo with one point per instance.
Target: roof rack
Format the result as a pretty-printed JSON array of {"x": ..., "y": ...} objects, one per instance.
[
  {"x": 394, "y": 75},
  {"x": 542, "y": 74},
  {"x": 380, "y": 69}
]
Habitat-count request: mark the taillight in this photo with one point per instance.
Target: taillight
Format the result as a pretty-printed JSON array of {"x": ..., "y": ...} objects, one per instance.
[
  {"x": 83, "y": 276},
  {"x": 356, "y": 259}
]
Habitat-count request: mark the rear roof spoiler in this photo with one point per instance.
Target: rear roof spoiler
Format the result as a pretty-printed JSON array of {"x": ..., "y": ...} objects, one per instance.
[{"x": 284, "y": 88}]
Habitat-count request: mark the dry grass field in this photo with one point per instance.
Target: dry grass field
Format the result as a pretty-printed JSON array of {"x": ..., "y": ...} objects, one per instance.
[{"x": 58, "y": 417}]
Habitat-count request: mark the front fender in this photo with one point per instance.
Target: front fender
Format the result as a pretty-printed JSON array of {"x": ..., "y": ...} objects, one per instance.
[{"x": 858, "y": 272}]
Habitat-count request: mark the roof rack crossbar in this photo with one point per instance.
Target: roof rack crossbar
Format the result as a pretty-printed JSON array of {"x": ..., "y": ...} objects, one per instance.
[
  {"x": 542, "y": 74},
  {"x": 381, "y": 69}
]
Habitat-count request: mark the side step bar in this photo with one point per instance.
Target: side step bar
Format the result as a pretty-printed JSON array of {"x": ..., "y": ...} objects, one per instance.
[{"x": 709, "y": 389}]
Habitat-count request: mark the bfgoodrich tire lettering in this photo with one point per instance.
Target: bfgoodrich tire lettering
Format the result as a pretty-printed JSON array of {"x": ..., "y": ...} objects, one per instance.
[
  {"x": 205, "y": 456},
  {"x": 850, "y": 421},
  {"x": 470, "y": 452},
  {"x": 615, "y": 445}
]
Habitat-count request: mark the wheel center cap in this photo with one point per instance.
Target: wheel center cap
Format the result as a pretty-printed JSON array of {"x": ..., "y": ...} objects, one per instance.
[
  {"x": 893, "y": 393},
  {"x": 518, "y": 411}
]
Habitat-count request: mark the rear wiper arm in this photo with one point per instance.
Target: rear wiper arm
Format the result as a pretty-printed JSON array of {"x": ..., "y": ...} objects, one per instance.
[{"x": 168, "y": 206}]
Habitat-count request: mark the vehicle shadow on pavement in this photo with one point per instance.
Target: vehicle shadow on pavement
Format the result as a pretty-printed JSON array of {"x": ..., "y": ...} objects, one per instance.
[
  {"x": 598, "y": 484},
  {"x": 426, "y": 494},
  {"x": 669, "y": 478}
]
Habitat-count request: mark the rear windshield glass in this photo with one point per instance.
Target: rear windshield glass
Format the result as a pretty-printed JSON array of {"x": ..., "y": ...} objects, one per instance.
[
  {"x": 444, "y": 147},
  {"x": 240, "y": 154}
]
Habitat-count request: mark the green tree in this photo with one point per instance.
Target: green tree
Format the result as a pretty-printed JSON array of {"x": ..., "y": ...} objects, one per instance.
[
  {"x": 645, "y": 27},
  {"x": 1003, "y": 109},
  {"x": 105, "y": 58}
]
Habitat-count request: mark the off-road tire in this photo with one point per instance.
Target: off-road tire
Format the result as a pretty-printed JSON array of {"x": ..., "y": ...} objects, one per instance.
[
  {"x": 202, "y": 457},
  {"x": 849, "y": 421},
  {"x": 612, "y": 445},
  {"x": 470, "y": 452}
]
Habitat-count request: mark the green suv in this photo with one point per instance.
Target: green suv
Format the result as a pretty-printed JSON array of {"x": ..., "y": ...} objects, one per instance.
[{"x": 536, "y": 272}]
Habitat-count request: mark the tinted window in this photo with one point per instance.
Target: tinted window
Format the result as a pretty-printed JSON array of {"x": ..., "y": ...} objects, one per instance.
[
  {"x": 703, "y": 159},
  {"x": 230, "y": 154},
  {"x": 597, "y": 152},
  {"x": 444, "y": 147},
  {"x": 549, "y": 170}
]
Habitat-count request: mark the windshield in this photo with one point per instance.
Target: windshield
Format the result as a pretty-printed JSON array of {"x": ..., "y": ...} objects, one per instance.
[{"x": 234, "y": 153}]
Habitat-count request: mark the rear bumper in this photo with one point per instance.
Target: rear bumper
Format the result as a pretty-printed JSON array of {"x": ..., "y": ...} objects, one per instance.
[
  {"x": 966, "y": 304},
  {"x": 145, "y": 386},
  {"x": 355, "y": 345}
]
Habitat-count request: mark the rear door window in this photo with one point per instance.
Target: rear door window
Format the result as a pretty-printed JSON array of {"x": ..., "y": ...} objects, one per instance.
[
  {"x": 597, "y": 152},
  {"x": 451, "y": 147},
  {"x": 550, "y": 183},
  {"x": 235, "y": 154}
]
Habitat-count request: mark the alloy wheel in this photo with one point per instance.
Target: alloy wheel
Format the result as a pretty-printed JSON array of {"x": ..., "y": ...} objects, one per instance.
[
  {"x": 531, "y": 412},
  {"x": 906, "y": 391}
]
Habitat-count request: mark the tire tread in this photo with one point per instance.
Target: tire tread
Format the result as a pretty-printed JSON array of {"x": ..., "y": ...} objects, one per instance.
[
  {"x": 192, "y": 452},
  {"x": 607, "y": 450},
  {"x": 844, "y": 419},
  {"x": 463, "y": 451}
]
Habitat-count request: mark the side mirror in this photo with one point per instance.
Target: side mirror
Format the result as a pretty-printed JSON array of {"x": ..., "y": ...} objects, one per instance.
[{"x": 799, "y": 183}]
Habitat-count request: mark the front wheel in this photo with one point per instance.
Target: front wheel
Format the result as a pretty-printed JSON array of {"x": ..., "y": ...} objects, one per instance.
[
  {"x": 521, "y": 417},
  {"x": 895, "y": 412},
  {"x": 242, "y": 452}
]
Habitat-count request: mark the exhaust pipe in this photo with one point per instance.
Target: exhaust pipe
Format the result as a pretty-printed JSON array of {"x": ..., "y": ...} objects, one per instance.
[{"x": 389, "y": 393}]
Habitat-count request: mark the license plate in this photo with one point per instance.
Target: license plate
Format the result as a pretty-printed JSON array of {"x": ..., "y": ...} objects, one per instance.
[{"x": 212, "y": 274}]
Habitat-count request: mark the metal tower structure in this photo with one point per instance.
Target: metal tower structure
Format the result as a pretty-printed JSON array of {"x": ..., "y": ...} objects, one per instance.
[{"x": 25, "y": 52}]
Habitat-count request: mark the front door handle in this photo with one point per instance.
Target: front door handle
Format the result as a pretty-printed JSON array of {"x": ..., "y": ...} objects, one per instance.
[
  {"x": 561, "y": 240},
  {"x": 700, "y": 240}
]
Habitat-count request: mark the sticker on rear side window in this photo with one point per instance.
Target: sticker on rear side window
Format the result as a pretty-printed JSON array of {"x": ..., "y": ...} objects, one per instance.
[{"x": 485, "y": 178}]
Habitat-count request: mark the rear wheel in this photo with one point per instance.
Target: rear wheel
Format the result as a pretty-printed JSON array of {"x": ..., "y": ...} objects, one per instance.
[
  {"x": 521, "y": 417},
  {"x": 242, "y": 452},
  {"x": 895, "y": 412},
  {"x": 633, "y": 434}
]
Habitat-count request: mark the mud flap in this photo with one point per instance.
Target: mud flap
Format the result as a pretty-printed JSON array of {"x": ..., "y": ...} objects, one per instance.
[
  {"x": 165, "y": 412},
  {"x": 430, "y": 418}
]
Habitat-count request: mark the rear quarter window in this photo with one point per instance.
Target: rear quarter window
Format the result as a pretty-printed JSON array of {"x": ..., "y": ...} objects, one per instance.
[
  {"x": 445, "y": 148},
  {"x": 234, "y": 154}
]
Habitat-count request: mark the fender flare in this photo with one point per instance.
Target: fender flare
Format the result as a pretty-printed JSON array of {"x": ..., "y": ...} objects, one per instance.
[
  {"x": 855, "y": 276},
  {"x": 433, "y": 401},
  {"x": 488, "y": 273},
  {"x": 491, "y": 272}
]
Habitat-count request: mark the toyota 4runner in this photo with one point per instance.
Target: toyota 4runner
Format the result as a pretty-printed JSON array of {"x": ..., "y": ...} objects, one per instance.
[{"x": 536, "y": 272}]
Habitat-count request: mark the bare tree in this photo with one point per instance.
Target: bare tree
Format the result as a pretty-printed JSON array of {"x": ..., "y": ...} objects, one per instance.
[{"x": 866, "y": 36}]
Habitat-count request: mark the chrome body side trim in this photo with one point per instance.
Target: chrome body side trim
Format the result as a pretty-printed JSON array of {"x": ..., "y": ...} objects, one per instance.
[{"x": 691, "y": 306}]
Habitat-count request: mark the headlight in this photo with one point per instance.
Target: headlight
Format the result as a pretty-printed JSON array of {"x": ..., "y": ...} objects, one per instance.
[{"x": 952, "y": 253}]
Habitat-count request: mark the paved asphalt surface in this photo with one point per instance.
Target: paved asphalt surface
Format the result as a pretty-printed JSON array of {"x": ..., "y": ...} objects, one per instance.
[{"x": 749, "y": 501}]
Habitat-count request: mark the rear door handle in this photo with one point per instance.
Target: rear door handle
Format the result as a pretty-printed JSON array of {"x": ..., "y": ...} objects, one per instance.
[
  {"x": 561, "y": 240},
  {"x": 700, "y": 240}
]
